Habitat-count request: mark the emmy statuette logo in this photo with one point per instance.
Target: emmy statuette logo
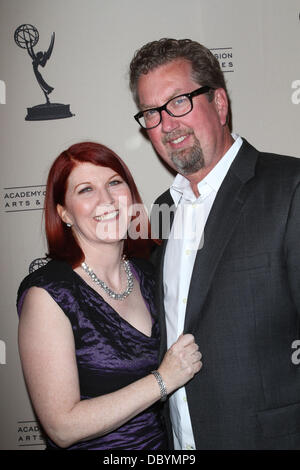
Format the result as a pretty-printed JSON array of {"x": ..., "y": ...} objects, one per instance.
[
  {"x": 38, "y": 263},
  {"x": 26, "y": 37}
]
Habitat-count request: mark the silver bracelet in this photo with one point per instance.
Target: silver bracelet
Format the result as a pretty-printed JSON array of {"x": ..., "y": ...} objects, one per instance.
[{"x": 161, "y": 384}]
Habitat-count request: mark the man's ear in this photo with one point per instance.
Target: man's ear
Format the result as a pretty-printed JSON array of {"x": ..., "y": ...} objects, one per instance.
[{"x": 221, "y": 104}]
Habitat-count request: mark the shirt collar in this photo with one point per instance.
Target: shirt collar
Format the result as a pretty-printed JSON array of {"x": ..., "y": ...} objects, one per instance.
[{"x": 181, "y": 186}]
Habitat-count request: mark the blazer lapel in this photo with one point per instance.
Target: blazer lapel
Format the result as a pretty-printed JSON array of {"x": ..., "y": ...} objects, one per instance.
[
  {"x": 161, "y": 228},
  {"x": 220, "y": 225}
]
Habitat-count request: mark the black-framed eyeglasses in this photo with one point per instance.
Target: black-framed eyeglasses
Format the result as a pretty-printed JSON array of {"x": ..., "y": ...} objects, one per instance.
[{"x": 178, "y": 106}]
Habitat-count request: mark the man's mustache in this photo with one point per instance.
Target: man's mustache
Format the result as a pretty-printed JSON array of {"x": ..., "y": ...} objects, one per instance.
[{"x": 176, "y": 134}]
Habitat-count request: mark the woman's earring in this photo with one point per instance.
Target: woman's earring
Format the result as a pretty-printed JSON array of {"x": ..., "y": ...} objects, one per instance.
[{"x": 69, "y": 225}]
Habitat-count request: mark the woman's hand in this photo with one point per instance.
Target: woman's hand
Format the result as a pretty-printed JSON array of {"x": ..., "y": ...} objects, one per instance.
[{"x": 180, "y": 363}]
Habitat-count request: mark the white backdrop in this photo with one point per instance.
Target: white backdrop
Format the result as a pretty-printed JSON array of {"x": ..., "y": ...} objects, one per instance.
[{"x": 258, "y": 45}]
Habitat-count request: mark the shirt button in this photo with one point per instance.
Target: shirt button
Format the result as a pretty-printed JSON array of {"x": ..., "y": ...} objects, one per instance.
[
  {"x": 185, "y": 399},
  {"x": 187, "y": 252},
  {"x": 184, "y": 300},
  {"x": 189, "y": 447}
]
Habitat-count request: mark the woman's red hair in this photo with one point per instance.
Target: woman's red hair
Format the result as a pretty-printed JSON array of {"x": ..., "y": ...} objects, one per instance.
[{"x": 62, "y": 244}]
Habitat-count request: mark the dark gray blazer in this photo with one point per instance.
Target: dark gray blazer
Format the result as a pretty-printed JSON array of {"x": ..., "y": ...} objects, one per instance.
[{"x": 244, "y": 308}]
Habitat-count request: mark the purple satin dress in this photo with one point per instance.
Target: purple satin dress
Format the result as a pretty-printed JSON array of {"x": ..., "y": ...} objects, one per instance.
[{"x": 110, "y": 352}]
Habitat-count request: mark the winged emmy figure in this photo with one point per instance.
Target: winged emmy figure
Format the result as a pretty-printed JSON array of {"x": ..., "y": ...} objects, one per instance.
[{"x": 40, "y": 59}]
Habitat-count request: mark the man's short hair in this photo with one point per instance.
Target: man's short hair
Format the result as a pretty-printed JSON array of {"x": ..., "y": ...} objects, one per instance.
[{"x": 206, "y": 70}]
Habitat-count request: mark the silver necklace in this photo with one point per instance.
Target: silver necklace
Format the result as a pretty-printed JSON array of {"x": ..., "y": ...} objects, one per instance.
[{"x": 105, "y": 287}]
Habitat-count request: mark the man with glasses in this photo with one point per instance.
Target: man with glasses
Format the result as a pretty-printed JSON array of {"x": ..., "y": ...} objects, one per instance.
[{"x": 233, "y": 278}]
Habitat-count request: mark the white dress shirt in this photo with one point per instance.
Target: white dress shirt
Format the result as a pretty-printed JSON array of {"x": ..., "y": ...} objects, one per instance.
[{"x": 186, "y": 237}]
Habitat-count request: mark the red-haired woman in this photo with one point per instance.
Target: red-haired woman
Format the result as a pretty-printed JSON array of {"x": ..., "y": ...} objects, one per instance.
[{"x": 88, "y": 332}]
